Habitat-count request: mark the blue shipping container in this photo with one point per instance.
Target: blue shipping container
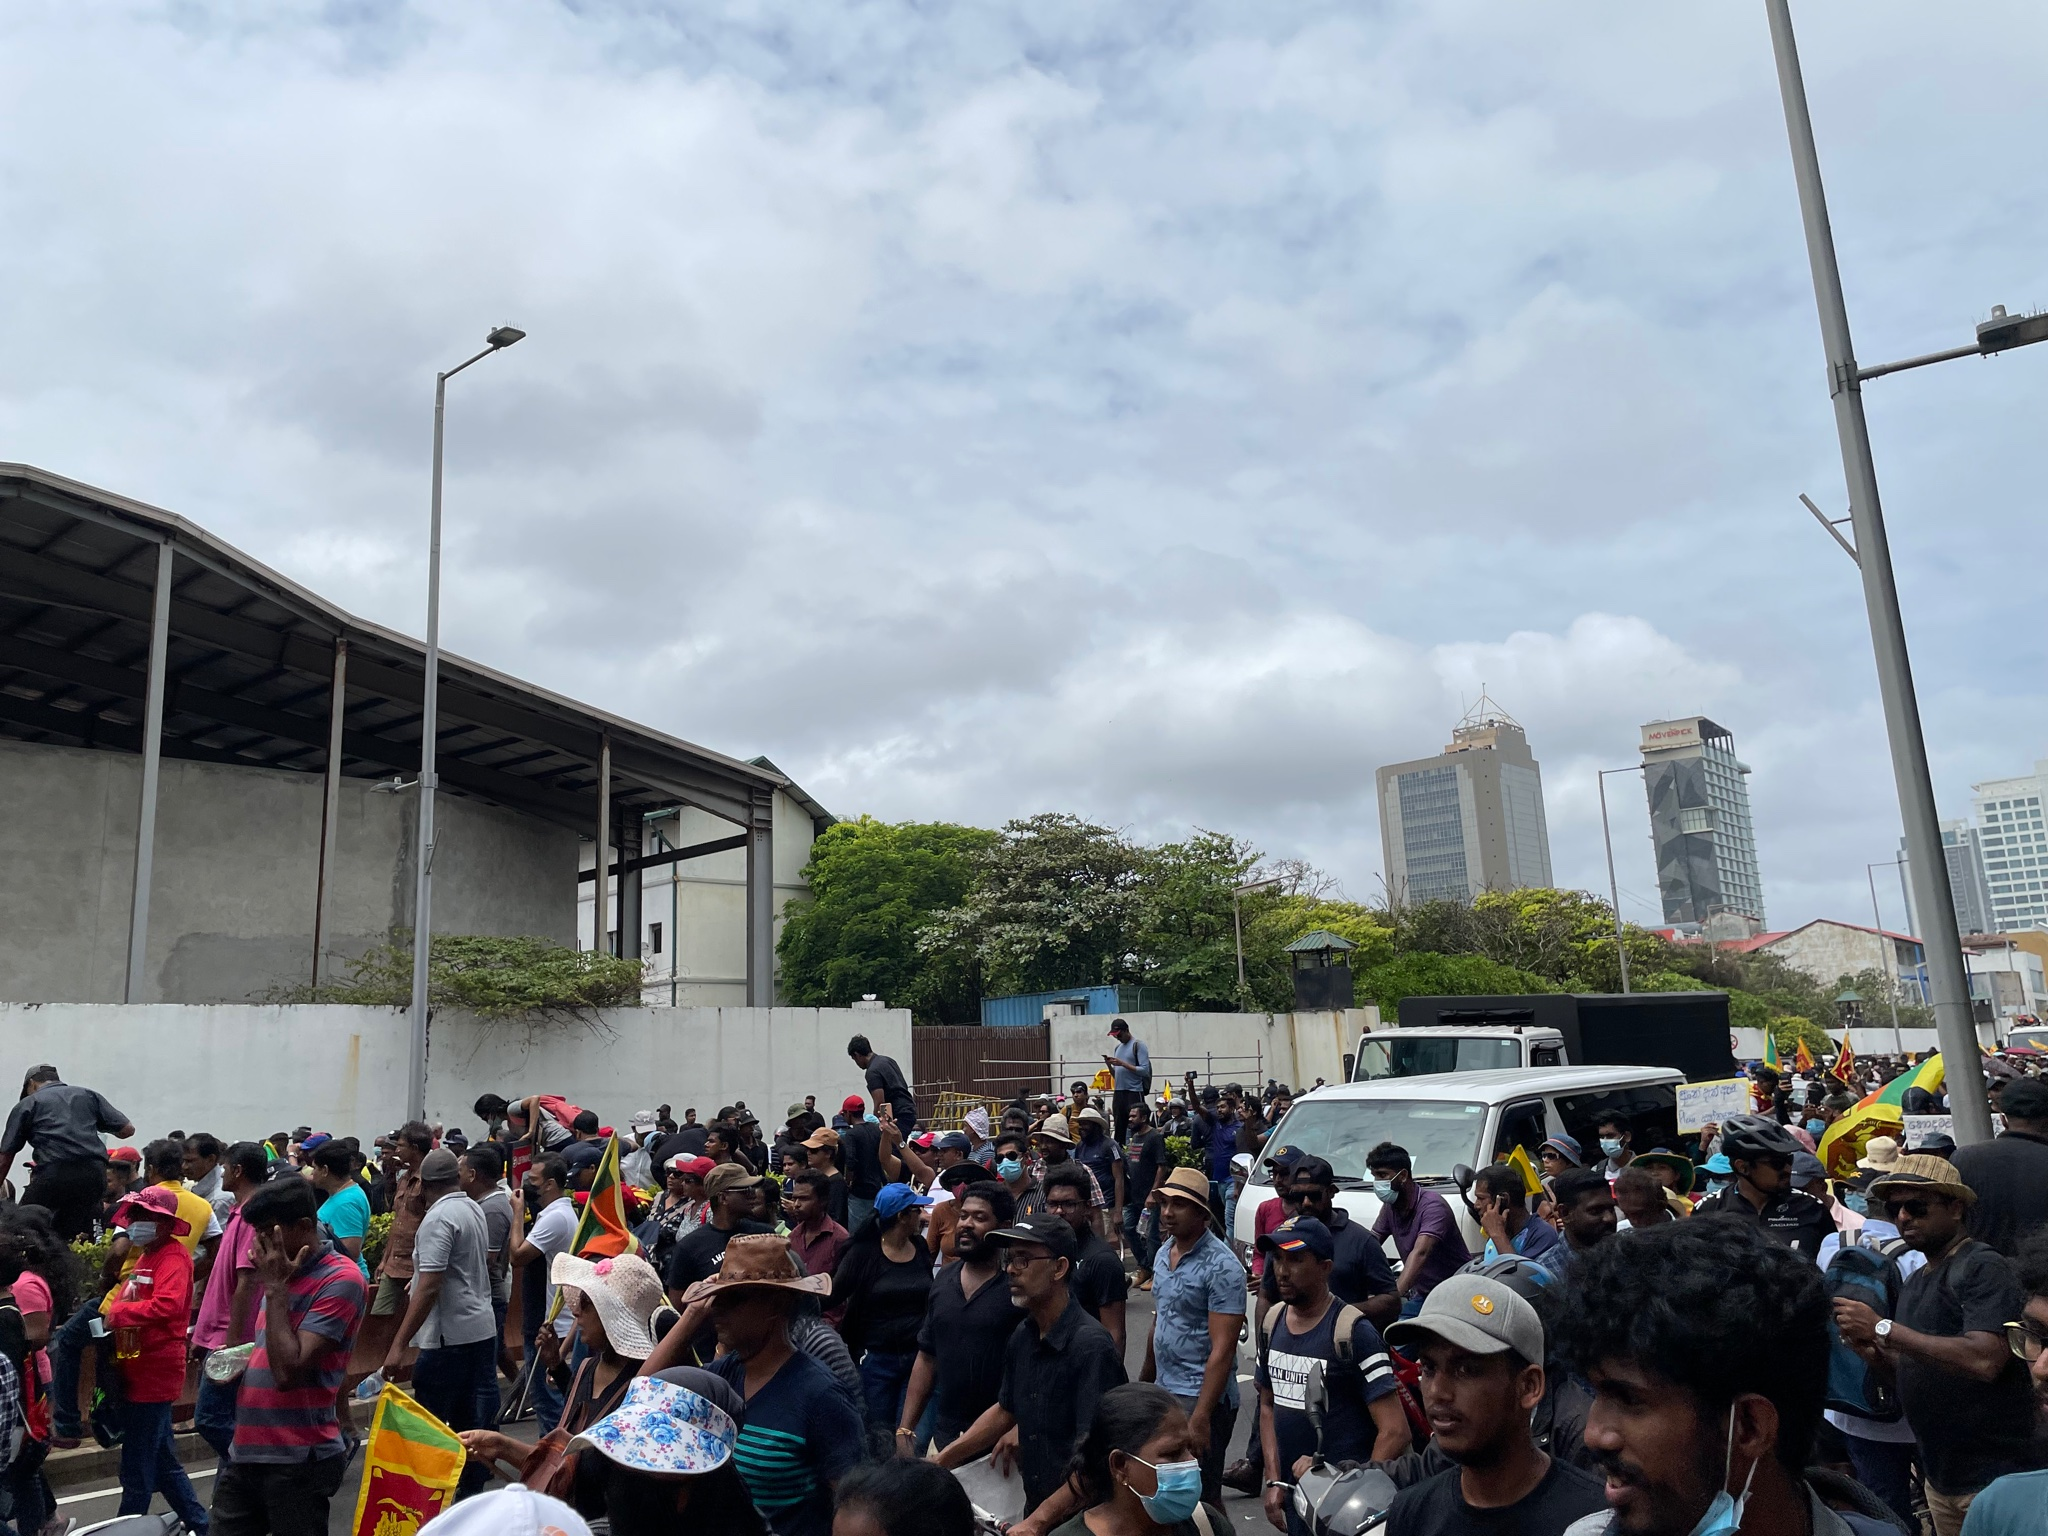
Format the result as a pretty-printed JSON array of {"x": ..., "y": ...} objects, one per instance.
[{"x": 1029, "y": 1007}]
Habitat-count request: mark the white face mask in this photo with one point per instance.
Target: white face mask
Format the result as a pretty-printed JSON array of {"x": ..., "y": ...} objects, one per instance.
[{"x": 142, "y": 1233}]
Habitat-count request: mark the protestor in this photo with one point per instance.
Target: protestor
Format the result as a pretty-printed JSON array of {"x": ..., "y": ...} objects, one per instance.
[
  {"x": 732, "y": 1203},
  {"x": 1198, "y": 1305},
  {"x": 407, "y": 1205},
  {"x": 885, "y": 1083},
  {"x": 880, "y": 1288},
  {"x": 2017, "y": 1503},
  {"x": 821, "y": 1151},
  {"x": 481, "y": 1174},
  {"x": 1419, "y": 1220},
  {"x": 964, "y": 1338},
  {"x": 147, "y": 1317},
  {"x": 1481, "y": 1349},
  {"x": 817, "y": 1238},
  {"x": 1675, "y": 1173},
  {"x": 1963, "y": 1391},
  {"x": 1500, "y": 1200},
  {"x": 227, "y": 1306},
  {"x": 1362, "y": 1418},
  {"x": 902, "y": 1498},
  {"x": 861, "y": 1159},
  {"x": 1053, "y": 1143},
  {"x": 1130, "y": 1066},
  {"x": 546, "y": 1193},
  {"x": 63, "y": 1124},
  {"x": 1706, "y": 1345},
  {"x": 2010, "y": 1174},
  {"x": 1135, "y": 1473},
  {"x": 1760, "y": 1154},
  {"x": 1145, "y": 1169},
  {"x": 1059, "y": 1366},
  {"x": 663, "y": 1460},
  {"x": 1013, "y": 1167},
  {"x": 1639, "y": 1199},
  {"x": 1616, "y": 1146},
  {"x": 1098, "y": 1152},
  {"x": 344, "y": 1207},
  {"x": 975, "y": 1124},
  {"x": 1098, "y": 1280}
]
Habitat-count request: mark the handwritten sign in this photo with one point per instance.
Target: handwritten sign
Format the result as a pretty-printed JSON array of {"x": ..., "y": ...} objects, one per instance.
[
  {"x": 1711, "y": 1103},
  {"x": 1920, "y": 1128}
]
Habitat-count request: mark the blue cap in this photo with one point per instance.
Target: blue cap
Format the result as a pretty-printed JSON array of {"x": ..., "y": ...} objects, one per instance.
[
  {"x": 1569, "y": 1146},
  {"x": 1299, "y": 1233},
  {"x": 895, "y": 1199},
  {"x": 953, "y": 1141},
  {"x": 1718, "y": 1163}
]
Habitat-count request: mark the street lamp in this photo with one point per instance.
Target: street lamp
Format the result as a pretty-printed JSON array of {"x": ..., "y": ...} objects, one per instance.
[
  {"x": 423, "y": 901},
  {"x": 1613, "y": 889},
  {"x": 1877, "y": 922},
  {"x": 1927, "y": 867},
  {"x": 1237, "y": 923}
]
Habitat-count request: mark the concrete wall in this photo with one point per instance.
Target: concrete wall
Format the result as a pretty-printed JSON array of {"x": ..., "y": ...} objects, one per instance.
[
  {"x": 236, "y": 866},
  {"x": 245, "y": 1071},
  {"x": 1248, "y": 1048}
]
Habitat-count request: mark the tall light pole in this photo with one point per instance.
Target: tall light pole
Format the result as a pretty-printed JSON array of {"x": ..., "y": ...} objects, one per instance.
[
  {"x": 1927, "y": 868},
  {"x": 1877, "y": 922},
  {"x": 1613, "y": 889},
  {"x": 423, "y": 899},
  {"x": 1237, "y": 923}
]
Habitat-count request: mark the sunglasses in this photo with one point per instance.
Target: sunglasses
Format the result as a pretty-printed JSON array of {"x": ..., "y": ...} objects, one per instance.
[
  {"x": 2029, "y": 1341},
  {"x": 1917, "y": 1209}
]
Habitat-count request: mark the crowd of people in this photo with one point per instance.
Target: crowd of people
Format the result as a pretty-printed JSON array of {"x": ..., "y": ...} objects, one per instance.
[{"x": 815, "y": 1324}]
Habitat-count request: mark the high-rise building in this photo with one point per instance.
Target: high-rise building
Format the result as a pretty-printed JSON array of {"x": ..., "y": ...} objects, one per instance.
[
  {"x": 2014, "y": 849},
  {"x": 1962, "y": 848},
  {"x": 1700, "y": 824},
  {"x": 1469, "y": 819}
]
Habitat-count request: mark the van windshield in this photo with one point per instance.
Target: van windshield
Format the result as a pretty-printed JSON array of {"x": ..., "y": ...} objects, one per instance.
[
  {"x": 1438, "y": 1136},
  {"x": 1395, "y": 1055}
]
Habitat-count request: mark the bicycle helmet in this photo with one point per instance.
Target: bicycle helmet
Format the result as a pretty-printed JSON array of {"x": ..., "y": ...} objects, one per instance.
[
  {"x": 1757, "y": 1136},
  {"x": 1525, "y": 1277}
]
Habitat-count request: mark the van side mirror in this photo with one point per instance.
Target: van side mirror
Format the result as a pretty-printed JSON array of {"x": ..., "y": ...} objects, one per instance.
[{"x": 1462, "y": 1177}]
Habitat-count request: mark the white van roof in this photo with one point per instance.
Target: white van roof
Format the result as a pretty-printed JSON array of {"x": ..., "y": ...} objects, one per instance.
[{"x": 1500, "y": 1085}]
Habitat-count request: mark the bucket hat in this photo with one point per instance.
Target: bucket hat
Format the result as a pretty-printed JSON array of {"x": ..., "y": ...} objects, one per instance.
[
  {"x": 625, "y": 1292},
  {"x": 160, "y": 1203},
  {"x": 1186, "y": 1184},
  {"x": 664, "y": 1429},
  {"x": 1919, "y": 1173},
  {"x": 1661, "y": 1157},
  {"x": 514, "y": 1511},
  {"x": 762, "y": 1261},
  {"x": 1054, "y": 1128}
]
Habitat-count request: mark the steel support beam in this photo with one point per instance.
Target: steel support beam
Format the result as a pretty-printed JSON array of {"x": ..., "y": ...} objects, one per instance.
[
  {"x": 330, "y": 800},
  {"x": 761, "y": 901},
  {"x": 152, "y": 758},
  {"x": 671, "y": 856},
  {"x": 601, "y": 907}
]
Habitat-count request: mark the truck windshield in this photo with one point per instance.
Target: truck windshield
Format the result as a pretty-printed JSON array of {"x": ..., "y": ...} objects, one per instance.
[
  {"x": 1438, "y": 1136},
  {"x": 1396, "y": 1055}
]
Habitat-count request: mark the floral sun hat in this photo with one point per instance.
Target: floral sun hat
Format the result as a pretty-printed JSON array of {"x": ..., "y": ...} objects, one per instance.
[{"x": 664, "y": 1429}]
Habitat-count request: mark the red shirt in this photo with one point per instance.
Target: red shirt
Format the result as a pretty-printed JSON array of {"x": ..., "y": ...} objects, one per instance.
[
  {"x": 1270, "y": 1214},
  {"x": 156, "y": 1302}
]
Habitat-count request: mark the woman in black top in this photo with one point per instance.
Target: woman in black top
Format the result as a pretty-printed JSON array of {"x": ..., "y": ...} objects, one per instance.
[
  {"x": 883, "y": 1280},
  {"x": 1138, "y": 1433}
]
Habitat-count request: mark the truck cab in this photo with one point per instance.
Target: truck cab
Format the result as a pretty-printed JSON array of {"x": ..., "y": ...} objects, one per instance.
[
  {"x": 1459, "y": 1120},
  {"x": 1392, "y": 1053}
]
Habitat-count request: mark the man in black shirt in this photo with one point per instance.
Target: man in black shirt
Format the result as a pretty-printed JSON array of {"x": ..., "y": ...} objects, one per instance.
[
  {"x": 1144, "y": 1166},
  {"x": 1057, "y": 1368},
  {"x": 968, "y": 1320},
  {"x": 885, "y": 1082},
  {"x": 1761, "y": 1152},
  {"x": 1965, "y": 1394},
  {"x": 1481, "y": 1349},
  {"x": 1360, "y": 1275},
  {"x": 2010, "y": 1174},
  {"x": 732, "y": 1199},
  {"x": 1098, "y": 1280},
  {"x": 860, "y": 1158},
  {"x": 63, "y": 1124}
]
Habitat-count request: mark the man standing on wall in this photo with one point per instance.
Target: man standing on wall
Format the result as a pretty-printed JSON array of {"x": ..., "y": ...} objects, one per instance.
[
  {"x": 63, "y": 1124},
  {"x": 1130, "y": 1066},
  {"x": 885, "y": 1081}
]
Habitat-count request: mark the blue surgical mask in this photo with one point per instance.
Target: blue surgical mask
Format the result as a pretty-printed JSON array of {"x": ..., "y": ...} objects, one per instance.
[
  {"x": 1611, "y": 1145},
  {"x": 1180, "y": 1491},
  {"x": 142, "y": 1233},
  {"x": 1724, "y": 1512},
  {"x": 1383, "y": 1191},
  {"x": 1715, "y": 1186},
  {"x": 870, "y": 1118},
  {"x": 1009, "y": 1167},
  {"x": 1857, "y": 1201},
  {"x": 1815, "y": 1127}
]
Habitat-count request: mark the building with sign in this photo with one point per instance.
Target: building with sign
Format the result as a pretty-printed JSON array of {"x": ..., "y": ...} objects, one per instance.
[
  {"x": 1469, "y": 819},
  {"x": 1701, "y": 827}
]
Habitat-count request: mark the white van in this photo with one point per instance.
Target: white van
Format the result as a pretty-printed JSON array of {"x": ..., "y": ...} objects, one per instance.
[{"x": 1461, "y": 1119}]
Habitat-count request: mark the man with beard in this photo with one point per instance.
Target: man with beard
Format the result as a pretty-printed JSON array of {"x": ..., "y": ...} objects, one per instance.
[
  {"x": 2017, "y": 1503},
  {"x": 968, "y": 1320},
  {"x": 1706, "y": 1345},
  {"x": 1481, "y": 1348}
]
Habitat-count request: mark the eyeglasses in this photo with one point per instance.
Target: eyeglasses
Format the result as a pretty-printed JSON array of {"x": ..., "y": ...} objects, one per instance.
[
  {"x": 1014, "y": 1261},
  {"x": 1064, "y": 1205},
  {"x": 2027, "y": 1340}
]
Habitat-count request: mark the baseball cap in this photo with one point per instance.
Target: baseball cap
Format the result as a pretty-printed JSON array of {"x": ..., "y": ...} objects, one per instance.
[
  {"x": 1315, "y": 1169},
  {"x": 1805, "y": 1169},
  {"x": 728, "y": 1176},
  {"x": 439, "y": 1167},
  {"x": 897, "y": 1198},
  {"x": 1475, "y": 1314},
  {"x": 124, "y": 1155},
  {"x": 1047, "y": 1231},
  {"x": 321, "y": 1138},
  {"x": 1283, "y": 1159},
  {"x": 513, "y": 1511},
  {"x": 823, "y": 1139},
  {"x": 697, "y": 1167},
  {"x": 581, "y": 1154},
  {"x": 1299, "y": 1233},
  {"x": 853, "y": 1104}
]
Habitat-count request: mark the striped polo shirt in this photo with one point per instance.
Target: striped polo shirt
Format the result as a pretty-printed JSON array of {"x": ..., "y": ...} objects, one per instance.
[{"x": 296, "y": 1423}]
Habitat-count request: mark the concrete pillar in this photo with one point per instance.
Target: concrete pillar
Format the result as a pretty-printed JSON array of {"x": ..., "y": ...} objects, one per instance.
[
  {"x": 761, "y": 901},
  {"x": 627, "y": 835},
  {"x": 152, "y": 756},
  {"x": 601, "y": 907},
  {"x": 330, "y": 802}
]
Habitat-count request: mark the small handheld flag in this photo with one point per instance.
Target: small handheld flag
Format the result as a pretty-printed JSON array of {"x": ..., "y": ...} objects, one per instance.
[
  {"x": 411, "y": 1463},
  {"x": 1802, "y": 1058}
]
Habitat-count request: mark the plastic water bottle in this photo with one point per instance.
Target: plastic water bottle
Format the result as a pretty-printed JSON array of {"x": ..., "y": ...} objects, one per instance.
[{"x": 370, "y": 1386}]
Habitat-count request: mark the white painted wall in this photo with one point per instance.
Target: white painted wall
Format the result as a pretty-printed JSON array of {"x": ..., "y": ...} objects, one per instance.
[
  {"x": 1248, "y": 1048},
  {"x": 241, "y": 1070}
]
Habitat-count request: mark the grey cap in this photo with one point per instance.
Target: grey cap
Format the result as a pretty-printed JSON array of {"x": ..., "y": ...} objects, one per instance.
[
  {"x": 439, "y": 1167},
  {"x": 1477, "y": 1314}
]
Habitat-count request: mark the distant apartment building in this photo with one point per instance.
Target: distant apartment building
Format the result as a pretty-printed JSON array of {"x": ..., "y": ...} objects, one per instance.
[
  {"x": 1469, "y": 819},
  {"x": 1962, "y": 850},
  {"x": 1701, "y": 827},
  {"x": 2014, "y": 848}
]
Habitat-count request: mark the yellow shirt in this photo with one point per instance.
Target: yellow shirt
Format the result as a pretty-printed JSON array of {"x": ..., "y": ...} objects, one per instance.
[{"x": 193, "y": 1211}]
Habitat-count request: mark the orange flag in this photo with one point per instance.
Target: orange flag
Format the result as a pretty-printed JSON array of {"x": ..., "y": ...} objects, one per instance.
[
  {"x": 1802, "y": 1059},
  {"x": 602, "y": 1231}
]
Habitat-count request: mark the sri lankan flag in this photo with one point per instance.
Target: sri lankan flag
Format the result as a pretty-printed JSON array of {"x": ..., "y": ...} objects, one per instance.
[
  {"x": 602, "y": 1231},
  {"x": 410, "y": 1466},
  {"x": 1844, "y": 1069},
  {"x": 1532, "y": 1181},
  {"x": 1802, "y": 1058}
]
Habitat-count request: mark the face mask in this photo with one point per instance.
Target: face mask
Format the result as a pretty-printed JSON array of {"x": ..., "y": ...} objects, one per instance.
[
  {"x": 1611, "y": 1145},
  {"x": 1180, "y": 1491},
  {"x": 1715, "y": 1186},
  {"x": 870, "y": 1118},
  {"x": 1857, "y": 1201},
  {"x": 142, "y": 1233},
  {"x": 1724, "y": 1513},
  {"x": 1815, "y": 1127},
  {"x": 1009, "y": 1167},
  {"x": 1383, "y": 1191}
]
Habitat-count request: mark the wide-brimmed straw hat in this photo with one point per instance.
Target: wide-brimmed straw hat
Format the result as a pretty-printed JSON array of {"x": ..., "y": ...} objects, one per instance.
[
  {"x": 625, "y": 1292},
  {"x": 160, "y": 1204},
  {"x": 664, "y": 1429},
  {"x": 1661, "y": 1157},
  {"x": 760, "y": 1260},
  {"x": 1919, "y": 1173}
]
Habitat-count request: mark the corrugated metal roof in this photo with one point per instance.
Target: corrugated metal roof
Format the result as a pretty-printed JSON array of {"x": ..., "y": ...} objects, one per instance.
[{"x": 1322, "y": 938}]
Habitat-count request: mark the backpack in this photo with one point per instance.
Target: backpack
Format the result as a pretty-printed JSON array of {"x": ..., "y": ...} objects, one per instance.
[
  {"x": 1348, "y": 1318},
  {"x": 1869, "y": 1273}
]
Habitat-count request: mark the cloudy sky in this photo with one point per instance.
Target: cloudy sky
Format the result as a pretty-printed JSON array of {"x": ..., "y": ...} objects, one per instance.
[{"x": 1166, "y": 412}]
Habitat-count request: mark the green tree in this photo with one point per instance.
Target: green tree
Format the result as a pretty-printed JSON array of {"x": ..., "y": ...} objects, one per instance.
[
  {"x": 1186, "y": 938},
  {"x": 1056, "y": 902},
  {"x": 491, "y": 976},
  {"x": 875, "y": 886},
  {"x": 1424, "y": 974}
]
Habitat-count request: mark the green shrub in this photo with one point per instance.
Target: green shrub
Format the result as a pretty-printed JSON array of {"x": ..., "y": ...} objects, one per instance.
[
  {"x": 488, "y": 976},
  {"x": 373, "y": 1244}
]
